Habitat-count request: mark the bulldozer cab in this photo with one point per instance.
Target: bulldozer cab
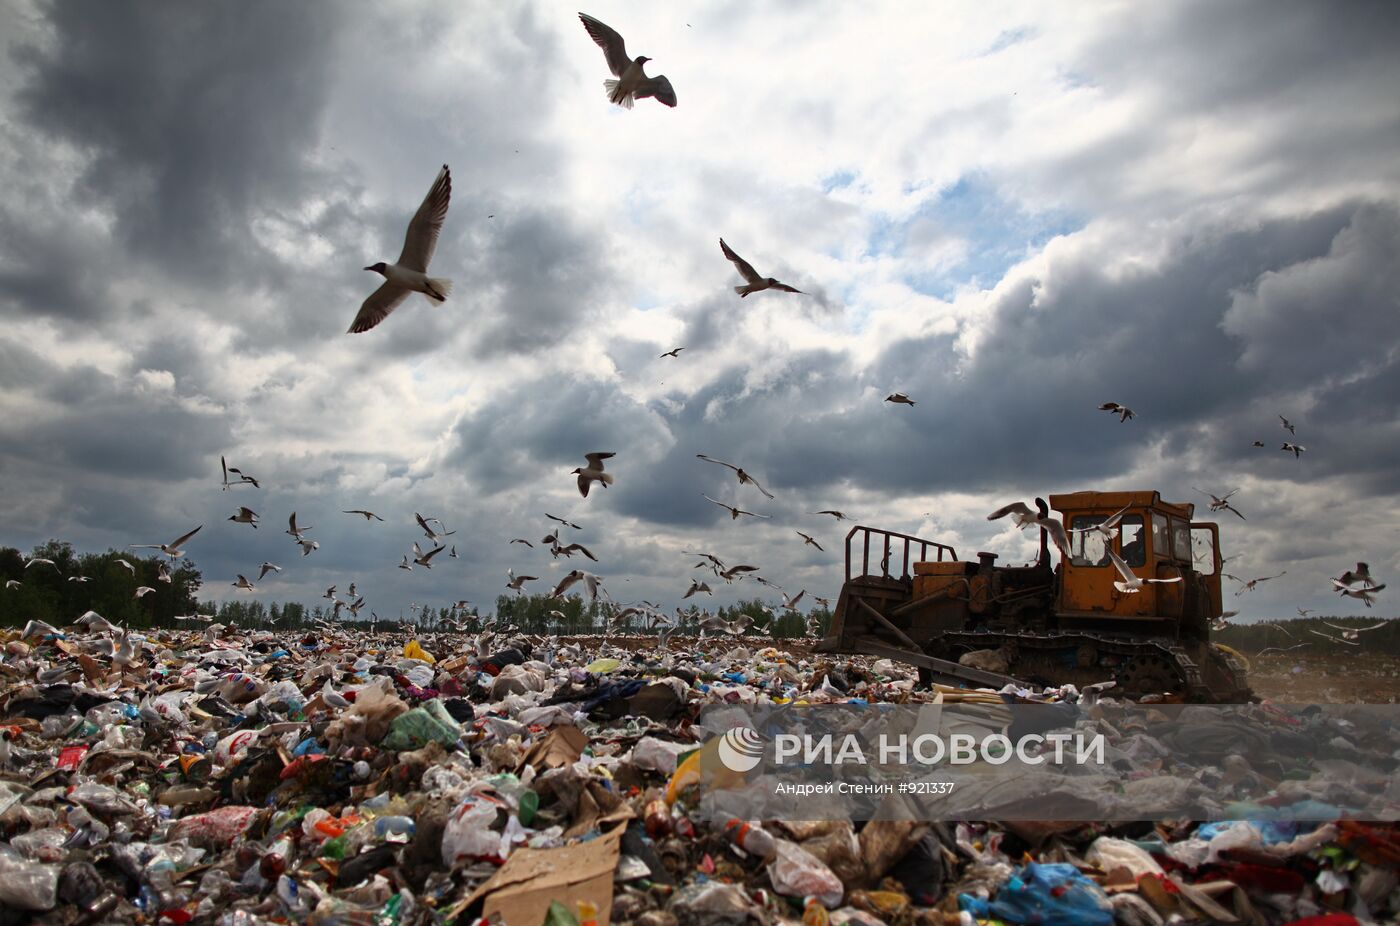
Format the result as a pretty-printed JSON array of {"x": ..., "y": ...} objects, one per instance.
[{"x": 1156, "y": 539}]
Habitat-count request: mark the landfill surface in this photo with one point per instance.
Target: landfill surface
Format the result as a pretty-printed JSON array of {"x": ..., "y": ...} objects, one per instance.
[{"x": 344, "y": 778}]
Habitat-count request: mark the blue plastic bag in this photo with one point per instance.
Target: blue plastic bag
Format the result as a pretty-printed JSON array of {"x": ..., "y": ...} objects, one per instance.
[{"x": 1045, "y": 895}]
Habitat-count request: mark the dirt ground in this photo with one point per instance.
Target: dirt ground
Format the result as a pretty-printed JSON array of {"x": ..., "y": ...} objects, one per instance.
[
  {"x": 1283, "y": 677},
  {"x": 1363, "y": 678}
]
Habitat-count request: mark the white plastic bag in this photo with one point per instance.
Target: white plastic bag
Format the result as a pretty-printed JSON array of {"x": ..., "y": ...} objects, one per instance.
[{"x": 795, "y": 872}]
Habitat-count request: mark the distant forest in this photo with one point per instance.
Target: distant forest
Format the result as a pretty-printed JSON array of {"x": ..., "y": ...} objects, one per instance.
[{"x": 80, "y": 582}]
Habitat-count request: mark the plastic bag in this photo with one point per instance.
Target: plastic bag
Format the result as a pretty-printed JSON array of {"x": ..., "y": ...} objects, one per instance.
[
  {"x": 1048, "y": 895},
  {"x": 414, "y": 650},
  {"x": 711, "y": 903},
  {"x": 421, "y": 726},
  {"x": 468, "y": 833},
  {"x": 658, "y": 755},
  {"x": 26, "y": 885},
  {"x": 1108, "y": 853},
  {"x": 795, "y": 872}
]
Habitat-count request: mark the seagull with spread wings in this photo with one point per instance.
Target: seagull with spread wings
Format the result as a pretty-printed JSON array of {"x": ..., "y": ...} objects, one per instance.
[
  {"x": 744, "y": 478},
  {"x": 593, "y": 472},
  {"x": 368, "y": 515},
  {"x": 171, "y": 549},
  {"x": 1023, "y": 517},
  {"x": 753, "y": 282},
  {"x": 809, "y": 540},
  {"x": 735, "y": 512},
  {"x": 1132, "y": 584},
  {"x": 409, "y": 274},
  {"x": 1222, "y": 502},
  {"x": 631, "y": 82},
  {"x": 1354, "y": 633}
]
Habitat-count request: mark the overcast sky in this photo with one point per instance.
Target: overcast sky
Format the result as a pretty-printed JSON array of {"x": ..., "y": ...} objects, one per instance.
[{"x": 1010, "y": 211}]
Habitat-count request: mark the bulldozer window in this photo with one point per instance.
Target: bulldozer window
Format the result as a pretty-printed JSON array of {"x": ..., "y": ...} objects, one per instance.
[
  {"x": 1130, "y": 545},
  {"x": 1181, "y": 540},
  {"x": 1161, "y": 537},
  {"x": 1203, "y": 551},
  {"x": 1088, "y": 548}
]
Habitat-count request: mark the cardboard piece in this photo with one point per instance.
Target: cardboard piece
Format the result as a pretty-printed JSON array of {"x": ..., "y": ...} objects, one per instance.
[
  {"x": 519, "y": 893},
  {"x": 562, "y": 746}
]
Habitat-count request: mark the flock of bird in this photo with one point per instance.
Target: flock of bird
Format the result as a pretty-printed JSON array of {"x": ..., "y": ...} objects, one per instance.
[{"x": 409, "y": 274}]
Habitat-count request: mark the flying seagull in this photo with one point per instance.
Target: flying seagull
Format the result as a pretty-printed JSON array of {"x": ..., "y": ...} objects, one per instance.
[
  {"x": 242, "y": 583},
  {"x": 753, "y": 282},
  {"x": 735, "y": 512},
  {"x": 266, "y": 568},
  {"x": 171, "y": 549},
  {"x": 632, "y": 83},
  {"x": 674, "y": 352},
  {"x": 1295, "y": 448},
  {"x": 245, "y": 516},
  {"x": 368, "y": 515},
  {"x": 810, "y": 540},
  {"x": 593, "y": 473},
  {"x": 243, "y": 478},
  {"x": 1221, "y": 502},
  {"x": 577, "y": 527},
  {"x": 1131, "y": 583},
  {"x": 590, "y": 581},
  {"x": 524, "y": 541},
  {"x": 696, "y": 587},
  {"x": 1251, "y": 584},
  {"x": 899, "y": 398},
  {"x": 1104, "y": 527},
  {"x": 1361, "y": 574},
  {"x": 1353, "y": 633},
  {"x": 1122, "y": 411},
  {"x": 835, "y": 514},
  {"x": 744, "y": 478},
  {"x": 1024, "y": 518},
  {"x": 292, "y": 528},
  {"x": 410, "y": 273},
  {"x": 1366, "y": 595},
  {"x": 1288, "y": 425}
]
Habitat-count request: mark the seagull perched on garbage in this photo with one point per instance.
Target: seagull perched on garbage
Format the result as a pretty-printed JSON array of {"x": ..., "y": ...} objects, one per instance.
[
  {"x": 1251, "y": 584},
  {"x": 1362, "y": 574},
  {"x": 735, "y": 512},
  {"x": 899, "y": 398},
  {"x": 1022, "y": 515},
  {"x": 409, "y": 274},
  {"x": 744, "y": 477},
  {"x": 1132, "y": 584},
  {"x": 171, "y": 549},
  {"x": 593, "y": 472},
  {"x": 753, "y": 282},
  {"x": 632, "y": 83},
  {"x": 1122, "y": 411},
  {"x": 245, "y": 516},
  {"x": 1222, "y": 502},
  {"x": 1366, "y": 595}
]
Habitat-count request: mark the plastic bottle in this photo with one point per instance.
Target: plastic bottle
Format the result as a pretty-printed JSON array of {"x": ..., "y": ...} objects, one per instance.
[
  {"x": 658, "y": 819},
  {"x": 396, "y": 825},
  {"x": 752, "y": 838}
]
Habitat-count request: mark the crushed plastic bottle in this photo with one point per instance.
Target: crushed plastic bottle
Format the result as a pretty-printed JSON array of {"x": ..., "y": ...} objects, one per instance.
[{"x": 752, "y": 838}]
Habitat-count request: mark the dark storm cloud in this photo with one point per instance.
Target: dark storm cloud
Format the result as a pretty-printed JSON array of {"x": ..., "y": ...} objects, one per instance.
[
  {"x": 87, "y": 421},
  {"x": 194, "y": 117},
  {"x": 509, "y": 443}
]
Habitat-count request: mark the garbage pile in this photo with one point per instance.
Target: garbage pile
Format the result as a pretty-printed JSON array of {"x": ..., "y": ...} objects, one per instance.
[{"x": 448, "y": 779}]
